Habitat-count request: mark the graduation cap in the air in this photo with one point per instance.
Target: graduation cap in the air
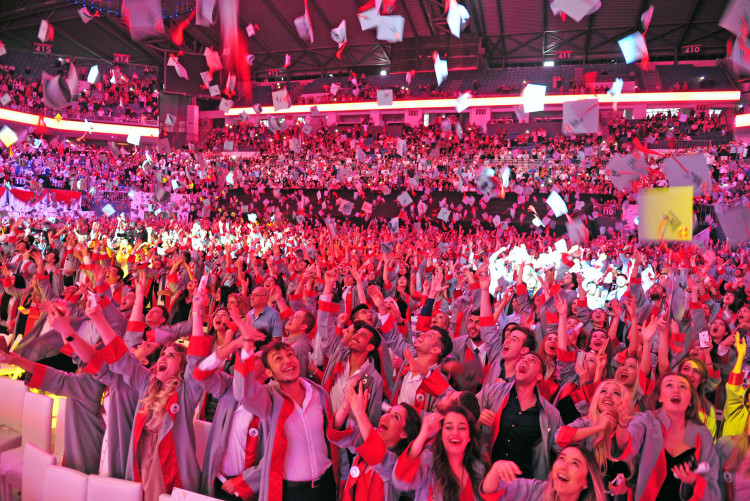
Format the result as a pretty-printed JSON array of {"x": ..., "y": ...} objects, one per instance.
[
  {"x": 346, "y": 207},
  {"x": 46, "y": 32},
  {"x": 733, "y": 16},
  {"x": 3, "y": 50},
  {"x": 623, "y": 170},
  {"x": 144, "y": 18},
  {"x": 108, "y": 210},
  {"x": 225, "y": 105},
  {"x": 214, "y": 90},
  {"x": 338, "y": 35},
  {"x": 206, "y": 12},
  {"x": 557, "y": 204},
  {"x": 393, "y": 225},
  {"x": 228, "y": 145},
  {"x": 646, "y": 17},
  {"x": 390, "y": 28},
  {"x": 385, "y": 97},
  {"x": 739, "y": 57},
  {"x": 133, "y": 139},
  {"x": 5, "y": 99},
  {"x": 616, "y": 88},
  {"x": 161, "y": 195},
  {"x": 404, "y": 199},
  {"x": 8, "y": 136},
  {"x": 257, "y": 108},
  {"x": 87, "y": 16},
  {"x": 334, "y": 89},
  {"x": 634, "y": 47},
  {"x": 281, "y": 99},
  {"x": 251, "y": 29},
  {"x": 688, "y": 170},
  {"x": 93, "y": 74},
  {"x": 243, "y": 116},
  {"x": 58, "y": 91},
  {"x": 307, "y": 129},
  {"x": 736, "y": 224},
  {"x": 444, "y": 214},
  {"x": 170, "y": 120},
  {"x": 532, "y": 98},
  {"x": 575, "y": 9},
  {"x": 463, "y": 102},
  {"x": 213, "y": 60},
  {"x": 580, "y": 117},
  {"x": 180, "y": 69},
  {"x": 304, "y": 26},
  {"x": 441, "y": 68},
  {"x": 457, "y": 17}
]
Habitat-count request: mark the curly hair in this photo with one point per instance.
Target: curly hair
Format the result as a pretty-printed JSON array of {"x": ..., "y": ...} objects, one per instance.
[{"x": 158, "y": 392}]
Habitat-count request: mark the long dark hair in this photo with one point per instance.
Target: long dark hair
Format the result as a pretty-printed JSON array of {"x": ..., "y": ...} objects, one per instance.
[
  {"x": 445, "y": 479},
  {"x": 412, "y": 425}
]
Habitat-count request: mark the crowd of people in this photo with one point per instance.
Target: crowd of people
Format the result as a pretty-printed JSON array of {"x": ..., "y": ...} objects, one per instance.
[
  {"x": 405, "y": 359},
  {"x": 114, "y": 95},
  {"x": 378, "y": 362}
]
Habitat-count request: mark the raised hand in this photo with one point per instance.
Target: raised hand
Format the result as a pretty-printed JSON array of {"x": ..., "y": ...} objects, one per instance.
[
  {"x": 507, "y": 471},
  {"x": 431, "y": 425}
]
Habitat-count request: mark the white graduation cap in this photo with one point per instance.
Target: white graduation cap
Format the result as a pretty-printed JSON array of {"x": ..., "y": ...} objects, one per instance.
[
  {"x": 108, "y": 210},
  {"x": 505, "y": 175},
  {"x": 307, "y": 129},
  {"x": 557, "y": 204},
  {"x": 57, "y": 91},
  {"x": 463, "y": 102},
  {"x": 368, "y": 19},
  {"x": 736, "y": 224},
  {"x": 739, "y": 56},
  {"x": 441, "y": 68},
  {"x": 228, "y": 146},
  {"x": 444, "y": 214},
  {"x": 575, "y": 9},
  {"x": 633, "y": 47},
  {"x": 8, "y": 136},
  {"x": 243, "y": 116},
  {"x": 180, "y": 69},
  {"x": 346, "y": 207},
  {"x": 213, "y": 60},
  {"x": 457, "y": 17},
  {"x": 580, "y": 117},
  {"x": 287, "y": 61},
  {"x": 225, "y": 105},
  {"x": 93, "y": 74},
  {"x": 5, "y": 99},
  {"x": 46, "y": 32},
  {"x": 144, "y": 18},
  {"x": 409, "y": 76},
  {"x": 385, "y": 97},
  {"x": 85, "y": 15},
  {"x": 404, "y": 199},
  {"x": 251, "y": 30},
  {"x": 3, "y": 51},
  {"x": 335, "y": 88},
  {"x": 521, "y": 116},
  {"x": 206, "y": 78},
  {"x": 133, "y": 139},
  {"x": 304, "y": 26},
  {"x": 616, "y": 88},
  {"x": 390, "y": 28},
  {"x": 257, "y": 108},
  {"x": 623, "y": 170},
  {"x": 688, "y": 170},
  {"x": 281, "y": 99},
  {"x": 497, "y": 221},
  {"x": 170, "y": 120},
  {"x": 214, "y": 90},
  {"x": 735, "y": 12},
  {"x": 533, "y": 98},
  {"x": 206, "y": 12},
  {"x": 338, "y": 34}
]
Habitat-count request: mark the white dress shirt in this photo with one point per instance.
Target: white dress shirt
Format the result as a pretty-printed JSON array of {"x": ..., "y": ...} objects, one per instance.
[{"x": 307, "y": 451}]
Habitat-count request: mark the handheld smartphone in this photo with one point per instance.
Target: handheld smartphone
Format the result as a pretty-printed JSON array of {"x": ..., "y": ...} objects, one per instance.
[
  {"x": 366, "y": 382},
  {"x": 705, "y": 339}
]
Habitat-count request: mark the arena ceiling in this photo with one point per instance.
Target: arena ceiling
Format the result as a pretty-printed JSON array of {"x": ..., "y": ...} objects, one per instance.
[{"x": 508, "y": 32}]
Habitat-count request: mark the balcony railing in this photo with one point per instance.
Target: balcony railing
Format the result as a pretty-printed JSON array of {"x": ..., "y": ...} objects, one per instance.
[{"x": 91, "y": 117}]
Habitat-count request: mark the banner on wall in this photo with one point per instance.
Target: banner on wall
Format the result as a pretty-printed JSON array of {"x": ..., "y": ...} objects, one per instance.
[{"x": 42, "y": 201}]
